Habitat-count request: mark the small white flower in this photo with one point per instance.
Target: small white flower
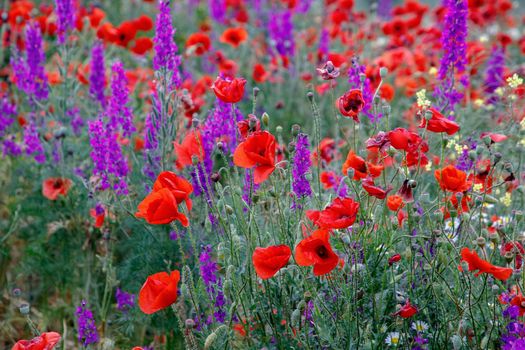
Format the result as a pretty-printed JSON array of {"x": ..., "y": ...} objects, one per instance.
[
  {"x": 393, "y": 339},
  {"x": 419, "y": 326}
]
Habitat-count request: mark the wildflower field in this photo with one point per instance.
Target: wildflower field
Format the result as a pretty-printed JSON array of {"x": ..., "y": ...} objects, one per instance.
[{"x": 262, "y": 174}]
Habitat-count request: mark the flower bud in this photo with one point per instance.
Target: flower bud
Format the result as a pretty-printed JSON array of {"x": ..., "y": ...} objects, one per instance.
[
  {"x": 279, "y": 129},
  {"x": 509, "y": 256},
  {"x": 265, "y": 118},
  {"x": 189, "y": 323},
  {"x": 480, "y": 241},
  {"x": 383, "y": 71},
  {"x": 215, "y": 177},
  {"x": 195, "y": 122},
  {"x": 428, "y": 115},
  {"x": 497, "y": 157},
  {"x": 24, "y": 309},
  {"x": 229, "y": 210},
  {"x": 310, "y": 96},
  {"x": 412, "y": 183},
  {"x": 296, "y": 129},
  {"x": 487, "y": 140},
  {"x": 256, "y": 91}
]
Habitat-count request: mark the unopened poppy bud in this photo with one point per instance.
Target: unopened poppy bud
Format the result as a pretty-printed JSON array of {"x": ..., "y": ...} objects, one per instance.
[
  {"x": 487, "y": 140},
  {"x": 215, "y": 177},
  {"x": 412, "y": 183},
  {"x": 220, "y": 146},
  {"x": 24, "y": 309},
  {"x": 189, "y": 323},
  {"x": 509, "y": 256},
  {"x": 265, "y": 118},
  {"x": 386, "y": 109},
  {"x": 383, "y": 71},
  {"x": 350, "y": 173},
  {"x": 229, "y": 210},
  {"x": 195, "y": 122},
  {"x": 279, "y": 129},
  {"x": 508, "y": 166},
  {"x": 495, "y": 288},
  {"x": 428, "y": 114},
  {"x": 438, "y": 215},
  {"x": 346, "y": 239},
  {"x": 310, "y": 96},
  {"x": 194, "y": 159},
  {"x": 256, "y": 91},
  {"x": 17, "y": 292},
  {"x": 296, "y": 129},
  {"x": 472, "y": 155},
  {"x": 493, "y": 237},
  {"x": 480, "y": 241},
  {"x": 362, "y": 77},
  {"x": 497, "y": 157},
  {"x": 307, "y": 296}
]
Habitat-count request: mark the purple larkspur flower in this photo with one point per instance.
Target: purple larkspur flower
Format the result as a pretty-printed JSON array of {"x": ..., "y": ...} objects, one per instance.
[
  {"x": 249, "y": 187},
  {"x": 301, "y": 167},
  {"x": 65, "y": 11},
  {"x": 384, "y": 8},
  {"x": 97, "y": 77},
  {"x": 355, "y": 72},
  {"x": 208, "y": 268},
  {"x": 152, "y": 159},
  {"x": 125, "y": 300},
  {"x": 494, "y": 73},
  {"x": 77, "y": 123},
  {"x": 7, "y": 115},
  {"x": 29, "y": 72},
  {"x": 10, "y": 147},
  {"x": 33, "y": 144},
  {"x": 87, "y": 330},
  {"x": 118, "y": 111},
  {"x": 280, "y": 31},
  {"x": 165, "y": 48},
  {"x": 217, "y": 10}
]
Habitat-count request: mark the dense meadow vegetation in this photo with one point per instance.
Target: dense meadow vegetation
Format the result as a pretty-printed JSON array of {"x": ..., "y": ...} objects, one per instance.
[{"x": 262, "y": 174}]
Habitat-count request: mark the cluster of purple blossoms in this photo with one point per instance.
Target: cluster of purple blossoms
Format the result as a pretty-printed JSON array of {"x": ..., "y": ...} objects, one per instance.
[
  {"x": 384, "y": 9},
  {"x": 151, "y": 157},
  {"x": 7, "y": 114},
  {"x": 125, "y": 300},
  {"x": 87, "y": 330},
  {"x": 324, "y": 44},
  {"x": 454, "y": 47},
  {"x": 301, "y": 167},
  {"x": 465, "y": 163},
  {"x": 165, "y": 48},
  {"x": 494, "y": 73},
  {"x": 65, "y": 11},
  {"x": 29, "y": 72},
  {"x": 280, "y": 30},
  {"x": 33, "y": 144},
  {"x": 77, "y": 123},
  {"x": 97, "y": 76},
  {"x": 358, "y": 80},
  {"x": 514, "y": 336},
  {"x": 217, "y": 10},
  {"x": 208, "y": 271},
  {"x": 117, "y": 111},
  {"x": 249, "y": 187}
]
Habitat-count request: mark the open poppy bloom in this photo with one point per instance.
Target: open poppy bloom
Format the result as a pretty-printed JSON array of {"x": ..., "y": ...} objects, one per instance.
[
  {"x": 316, "y": 250},
  {"x": 234, "y": 36},
  {"x": 229, "y": 90},
  {"x": 394, "y": 202},
  {"x": 55, "y": 186},
  {"x": 517, "y": 249},
  {"x": 341, "y": 213},
  {"x": 45, "y": 341},
  {"x": 267, "y": 261},
  {"x": 408, "y": 310},
  {"x": 351, "y": 103},
  {"x": 452, "y": 179},
  {"x": 361, "y": 168},
  {"x": 160, "y": 207},
  {"x": 476, "y": 263},
  {"x": 519, "y": 301},
  {"x": 190, "y": 147},
  {"x": 198, "y": 43},
  {"x": 178, "y": 186},
  {"x": 375, "y": 191},
  {"x": 159, "y": 291},
  {"x": 257, "y": 151},
  {"x": 438, "y": 123}
]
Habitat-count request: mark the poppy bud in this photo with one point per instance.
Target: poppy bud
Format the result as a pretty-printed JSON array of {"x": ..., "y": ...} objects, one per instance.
[
  {"x": 497, "y": 157},
  {"x": 229, "y": 210},
  {"x": 493, "y": 237},
  {"x": 24, "y": 309},
  {"x": 412, "y": 183},
  {"x": 472, "y": 155},
  {"x": 350, "y": 173},
  {"x": 215, "y": 177},
  {"x": 487, "y": 140},
  {"x": 307, "y": 296},
  {"x": 509, "y": 256},
  {"x": 279, "y": 129},
  {"x": 386, "y": 109},
  {"x": 362, "y": 77},
  {"x": 480, "y": 241},
  {"x": 438, "y": 215},
  {"x": 428, "y": 115},
  {"x": 256, "y": 91},
  {"x": 383, "y": 71},
  {"x": 296, "y": 129},
  {"x": 189, "y": 323},
  {"x": 220, "y": 146},
  {"x": 508, "y": 166},
  {"x": 195, "y": 122},
  {"x": 310, "y": 96},
  {"x": 495, "y": 288},
  {"x": 17, "y": 292},
  {"x": 265, "y": 118}
]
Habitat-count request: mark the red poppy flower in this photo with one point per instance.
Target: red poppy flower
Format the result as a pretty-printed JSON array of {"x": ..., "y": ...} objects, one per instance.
[
  {"x": 259, "y": 73},
  {"x": 341, "y": 213},
  {"x": 142, "y": 45},
  {"x": 327, "y": 148},
  {"x": 55, "y": 186},
  {"x": 258, "y": 150},
  {"x": 159, "y": 291},
  {"x": 160, "y": 207},
  {"x": 351, "y": 103},
  {"x": 143, "y": 23},
  {"x": 329, "y": 179},
  {"x": 476, "y": 263},
  {"x": 408, "y": 310},
  {"x": 179, "y": 187},
  {"x": 45, "y": 341},
  {"x": 519, "y": 300},
  {"x": 107, "y": 32},
  {"x": 394, "y": 202},
  {"x": 249, "y": 125},
  {"x": 267, "y": 261},
  {"x": 126, "y": 32},
  {"x": 97, "y": 217},
  {"x": 452, "y": 179},
  {"x": 516, "y": 248},
  {"x": 229, "y": 90},
  {"x": 316, "y": 250},
  {"x": 198, "y": 43},
  {"x": 361, "y": 168},
  {"x": 190, "y": 147},
  {"x": 494, "y": 137},
  {"x": 373, "y": 190},
  {"x": 405, "y": 140},
  {"x": 393, "y": 259},
  {"x": 438, "y": 123},
  {"x": 234, "y": 36}
]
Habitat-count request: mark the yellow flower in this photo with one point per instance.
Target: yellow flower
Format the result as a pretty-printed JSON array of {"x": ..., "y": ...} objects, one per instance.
[
  {"x": 507, "y": 199},
  {"x": 422, "y": 100},
  {"x": 514, "y": 81}
]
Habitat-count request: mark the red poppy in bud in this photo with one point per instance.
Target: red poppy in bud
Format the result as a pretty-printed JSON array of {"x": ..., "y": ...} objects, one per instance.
[
  {"x": 438, "y": 123},
  {"x": 160, "y": 207},
  {"x": 341, "y": 213},
  {"x": 393, "y": 259},
  {"x": 229, "y": 90},
  {"x": 55, "y": 186},
  {"x": 179, "y": 187},
  {"x": 234, "y": 36},
  {"x": 519, "y": 301},
  {"x": 257, "y": 151},
  {"x": 190, "y": 147},
  {"x": 159, "y": 291},
  {"x": 351, "y": 103},
  {"x": 394, "y": 202},
  {"x": 361, "y": 168},
  {"x": 476, "y": 263},
  {"x": 45, "y": 341},
  {"x": 142, "y": 45},
  {"x": 373, "y": 190},
  {"x": 316, "y": 250},
  {"x": 452, "y": 179},
  {"x": 267, "y": 261},
  {"x": 515, "y": 248},
  {"x": 408, "y": 310},
  {"x": 198, "y": 43}
]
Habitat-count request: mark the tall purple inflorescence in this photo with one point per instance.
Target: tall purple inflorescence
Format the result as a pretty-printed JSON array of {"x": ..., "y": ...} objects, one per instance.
[
  {"x": 384, "y": 8},
  {"x": 30, "y": 75},
  {"x": 65, "y": 11},
  {"x": 494, "y": 73},
  {"x": 165, "y": 48},
  {"x": 280, "y": 30},
  {"x": 208, "y": 271},
  {"x": 125, "y": 300},
  {"x": 87, "y": 331},
  {"x": 217, "y": 10},
  {"x": 358, "y": 80},
  {"x": 33, "y": 144},
  {"x": 118, "y": 112},
  {"x": 454, "y": 47},
  {"x": 7, "y": 115},
  {"x": 301, "y": 167},
  {"x": 97, "y": 76}
]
